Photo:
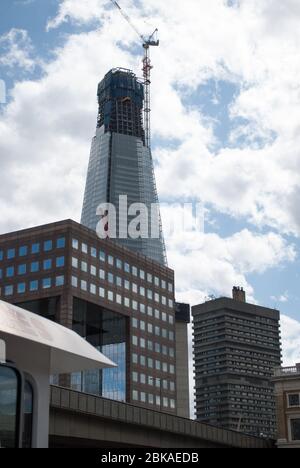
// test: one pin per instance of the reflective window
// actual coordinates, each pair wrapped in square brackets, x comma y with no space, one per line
[46,283]
[75,244]
[11,253]
[84,267]
[21,288]
[106,331]
[34,285]
[93,270]
[119,264]
[23,251]
[9,407]
[48,245]
[61,243]
[83,285]
[47,264]
[102,256]
[126,268]
[35,248]
[84,248]
[10,271]
[8,290]
[59,281]
[22,269]
[74,281]
[28,416]
[102,274]
[111,260]
[60,262]
[34,267]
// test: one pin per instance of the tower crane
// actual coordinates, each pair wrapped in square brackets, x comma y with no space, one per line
[147,42]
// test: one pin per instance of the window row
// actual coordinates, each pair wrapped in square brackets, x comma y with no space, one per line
[157,348]
[33,286]
[115,280]
[121,265]
[151,399]
[35,248]
[153,364]
[33,267]
[160,384]
[106,294]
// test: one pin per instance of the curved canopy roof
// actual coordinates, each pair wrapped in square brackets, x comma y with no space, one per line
[69,352]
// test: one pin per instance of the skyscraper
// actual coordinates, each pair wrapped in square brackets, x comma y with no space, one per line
[237,347]
[121,162]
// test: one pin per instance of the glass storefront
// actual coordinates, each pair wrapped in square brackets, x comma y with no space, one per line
[10,389]
[106,331]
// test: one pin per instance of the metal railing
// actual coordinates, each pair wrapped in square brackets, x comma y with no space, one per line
[287,371]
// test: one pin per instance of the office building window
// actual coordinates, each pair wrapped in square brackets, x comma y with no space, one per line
[11,253]
[34,285]
[84,248]
[61,243]
[118,299]
[150,399]
[60,262]
[84,267]
[34,267]
[110,278]
[111,260]
[126,268]
[119,281]
[10,271]
[23,251]
[75,244]
[134,271]
[135,358]
[127,302]
[110,296]
[22,269]
[119,264]
[135,395]
[8,290]
[35,248]
[93,289]
[74,281]
[47,264]
[21,288]
[47,245]
[142,308]
[83,285]
[93,252]
[149,278]
[102,292]
[135,377]
[59,281]
[46,283]
[93,270]
[102,256]
[102,274]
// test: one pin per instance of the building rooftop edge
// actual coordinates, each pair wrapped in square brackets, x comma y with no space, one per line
[227,302]
[69,223]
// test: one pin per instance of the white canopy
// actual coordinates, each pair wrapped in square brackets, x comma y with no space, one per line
[69,352]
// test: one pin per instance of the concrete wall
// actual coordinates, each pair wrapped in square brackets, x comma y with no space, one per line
[182,370]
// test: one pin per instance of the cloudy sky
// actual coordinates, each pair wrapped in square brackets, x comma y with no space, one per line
[226,130]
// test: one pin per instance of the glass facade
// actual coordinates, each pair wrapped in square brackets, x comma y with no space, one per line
[106,331]
[120,163]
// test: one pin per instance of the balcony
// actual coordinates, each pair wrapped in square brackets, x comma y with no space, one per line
[287,371]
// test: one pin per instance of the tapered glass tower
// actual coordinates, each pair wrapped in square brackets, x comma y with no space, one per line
[121,164]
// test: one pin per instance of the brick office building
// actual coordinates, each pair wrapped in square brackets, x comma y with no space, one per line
[120,301]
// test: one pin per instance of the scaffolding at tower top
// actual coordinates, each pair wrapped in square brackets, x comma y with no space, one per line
[147,42]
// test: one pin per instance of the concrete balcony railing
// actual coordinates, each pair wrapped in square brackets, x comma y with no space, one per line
[287,371]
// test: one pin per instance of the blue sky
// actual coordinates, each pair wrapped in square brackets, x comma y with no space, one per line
[236,117]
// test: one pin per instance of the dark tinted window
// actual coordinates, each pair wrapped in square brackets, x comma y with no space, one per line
[9,407]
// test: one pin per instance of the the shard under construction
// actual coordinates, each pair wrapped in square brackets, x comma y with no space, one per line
[121,161]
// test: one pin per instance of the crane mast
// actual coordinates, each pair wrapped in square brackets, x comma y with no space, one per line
[151,41]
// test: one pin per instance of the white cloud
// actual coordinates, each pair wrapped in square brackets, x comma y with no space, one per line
[17,50]
[291,339]
[45,131]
